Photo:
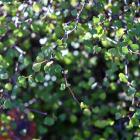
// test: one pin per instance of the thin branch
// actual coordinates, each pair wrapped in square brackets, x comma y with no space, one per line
[111,40]
[19,50]
[30,102]
[68,86]
[138,53]
[37,111]
[66,34]
[126,68]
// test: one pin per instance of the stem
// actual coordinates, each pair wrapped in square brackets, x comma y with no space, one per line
[138,53]
[70,90]
[66,34]
[37,111]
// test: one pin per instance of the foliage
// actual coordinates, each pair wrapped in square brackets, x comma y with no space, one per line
[69,70]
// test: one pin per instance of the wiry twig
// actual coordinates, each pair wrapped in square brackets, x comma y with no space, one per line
[37,111]
[116,42]
[111,40]
[126,68]
[32,101]
[19,50]
[125,2]
[138,53]
[66,34]
[27,109]
[68,86]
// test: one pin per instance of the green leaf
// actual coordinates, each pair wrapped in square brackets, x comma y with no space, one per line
[74,12]
[83,105]
[87,36]
[134,47]
[96,20]
[59,42]
[103,123]
[40,57]
[8,86]
[42,129]
[36,67]
[49,121]
[47,66]
[137,114]
[36,7]
[100,123]
[63,86]
[125,50]
[39,77]
[4,76]
[131,90]
[30,116]
[18,33]
[108,6]
[120,32]
[2,31]
[31,82]
[97,49]
[73,118]
[123,78]
[7,104]
[57,69]
[87,112]
[22,81]
[114,51]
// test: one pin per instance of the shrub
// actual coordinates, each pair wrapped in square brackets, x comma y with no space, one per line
[69,69]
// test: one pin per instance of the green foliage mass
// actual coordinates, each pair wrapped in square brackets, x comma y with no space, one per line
[69,70]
